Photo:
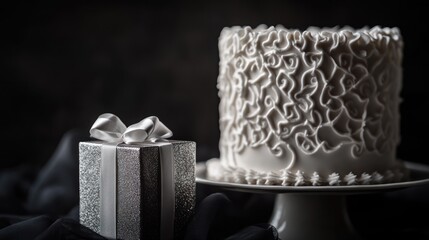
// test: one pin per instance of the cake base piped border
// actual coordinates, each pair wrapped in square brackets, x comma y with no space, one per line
[217,172]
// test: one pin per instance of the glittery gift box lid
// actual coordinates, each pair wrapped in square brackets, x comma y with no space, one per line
[138,188]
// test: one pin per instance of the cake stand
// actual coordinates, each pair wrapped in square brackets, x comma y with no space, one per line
[315,212]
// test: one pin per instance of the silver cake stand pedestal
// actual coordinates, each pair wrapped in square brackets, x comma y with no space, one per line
[315,212]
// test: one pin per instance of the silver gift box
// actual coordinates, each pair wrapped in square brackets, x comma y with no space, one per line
[138,188]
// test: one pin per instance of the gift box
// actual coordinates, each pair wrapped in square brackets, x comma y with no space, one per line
[133,188]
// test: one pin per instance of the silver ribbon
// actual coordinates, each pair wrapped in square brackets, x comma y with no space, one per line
[109,128]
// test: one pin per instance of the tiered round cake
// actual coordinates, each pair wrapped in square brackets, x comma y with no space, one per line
[313,107]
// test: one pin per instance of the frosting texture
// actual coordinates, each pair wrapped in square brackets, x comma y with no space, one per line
[287,178]
[323,100]
[303,91]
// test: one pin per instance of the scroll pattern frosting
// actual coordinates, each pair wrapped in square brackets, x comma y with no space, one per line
[308,91]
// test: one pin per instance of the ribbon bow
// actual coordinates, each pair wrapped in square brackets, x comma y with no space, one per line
[108,127]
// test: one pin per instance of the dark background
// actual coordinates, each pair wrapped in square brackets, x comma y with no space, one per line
[64,64]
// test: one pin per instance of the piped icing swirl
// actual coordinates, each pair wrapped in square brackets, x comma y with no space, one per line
[297,100]
[277,84]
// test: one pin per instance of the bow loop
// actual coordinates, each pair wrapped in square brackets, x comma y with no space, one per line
[158,129]
[110,128]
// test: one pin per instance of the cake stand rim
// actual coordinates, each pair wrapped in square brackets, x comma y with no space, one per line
[413,167]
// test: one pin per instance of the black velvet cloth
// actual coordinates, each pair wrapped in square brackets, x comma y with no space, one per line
[44,204]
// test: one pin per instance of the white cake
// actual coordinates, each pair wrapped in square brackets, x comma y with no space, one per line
[313,107]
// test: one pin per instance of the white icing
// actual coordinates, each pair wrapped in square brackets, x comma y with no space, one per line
[272,178]
[324,101]
[376,177]
[365,178]
[250,176]
[315,179]
[260,180]
[299,178]
[287,178]
[239,176]
[350,179]
[334,179]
